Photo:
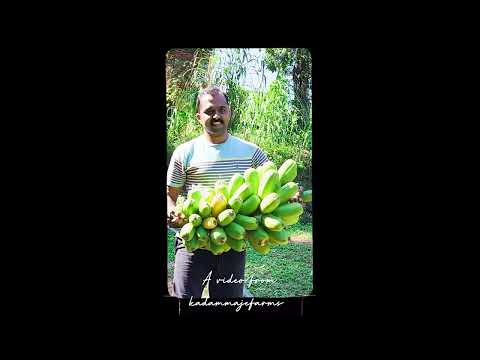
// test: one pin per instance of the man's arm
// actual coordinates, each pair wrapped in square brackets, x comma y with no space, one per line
[174,219]
[172,196]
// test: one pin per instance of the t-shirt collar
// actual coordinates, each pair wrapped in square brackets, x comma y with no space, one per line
[216,145]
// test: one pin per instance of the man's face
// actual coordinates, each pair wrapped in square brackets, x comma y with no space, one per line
[214,113]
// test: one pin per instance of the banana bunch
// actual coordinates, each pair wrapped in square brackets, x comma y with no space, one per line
[254,208]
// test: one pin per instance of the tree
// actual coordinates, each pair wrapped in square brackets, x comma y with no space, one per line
[181,62]
[186,70]
[297,63]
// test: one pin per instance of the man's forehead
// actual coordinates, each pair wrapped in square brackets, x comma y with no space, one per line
[214,99]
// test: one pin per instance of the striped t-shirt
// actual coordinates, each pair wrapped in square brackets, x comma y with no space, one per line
[201,163]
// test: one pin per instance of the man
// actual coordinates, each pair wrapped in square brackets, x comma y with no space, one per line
[214,155]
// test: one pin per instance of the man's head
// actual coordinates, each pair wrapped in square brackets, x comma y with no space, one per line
[213,111]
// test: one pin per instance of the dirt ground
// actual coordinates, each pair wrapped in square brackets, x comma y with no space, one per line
[301,239]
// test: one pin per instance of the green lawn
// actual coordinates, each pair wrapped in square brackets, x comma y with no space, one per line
[289,267]
[171,246]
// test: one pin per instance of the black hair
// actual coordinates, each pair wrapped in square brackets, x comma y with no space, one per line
[210,90]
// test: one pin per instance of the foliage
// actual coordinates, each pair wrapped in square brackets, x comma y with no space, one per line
[280,60]
[295,63]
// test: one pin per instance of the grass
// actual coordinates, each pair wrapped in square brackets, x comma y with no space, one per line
[286,271]
[289,267]
[171,247]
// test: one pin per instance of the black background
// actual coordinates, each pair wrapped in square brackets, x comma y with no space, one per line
[108,235]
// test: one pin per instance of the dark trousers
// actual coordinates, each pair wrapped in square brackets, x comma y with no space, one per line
[193,270]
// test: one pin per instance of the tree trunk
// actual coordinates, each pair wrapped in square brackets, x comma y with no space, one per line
[181,60]
[301,80]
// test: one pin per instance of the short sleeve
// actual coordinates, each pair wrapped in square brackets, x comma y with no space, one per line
[258,158]
[176,172]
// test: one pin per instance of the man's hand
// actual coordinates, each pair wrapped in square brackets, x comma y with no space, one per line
[176,220]
[298,196]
